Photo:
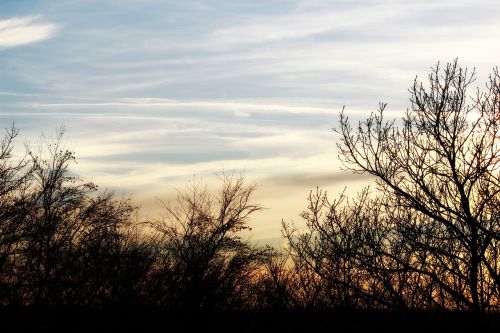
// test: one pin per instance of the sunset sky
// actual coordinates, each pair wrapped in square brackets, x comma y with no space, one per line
[154,92]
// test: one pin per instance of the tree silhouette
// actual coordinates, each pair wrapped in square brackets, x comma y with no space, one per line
[203,263]
[440,168]
[15,178]
[60,243]
[353,255]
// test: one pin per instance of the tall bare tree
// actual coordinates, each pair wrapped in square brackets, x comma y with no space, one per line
[440,166]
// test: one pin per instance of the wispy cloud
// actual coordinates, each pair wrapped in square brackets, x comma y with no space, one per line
[152,103]
[19,31]
[317,179]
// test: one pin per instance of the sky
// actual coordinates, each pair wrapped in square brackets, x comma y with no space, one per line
[155,94]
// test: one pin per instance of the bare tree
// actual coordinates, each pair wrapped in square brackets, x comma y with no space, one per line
[341,248]
[204,263]
[68,244]
[15,179]
[441,168]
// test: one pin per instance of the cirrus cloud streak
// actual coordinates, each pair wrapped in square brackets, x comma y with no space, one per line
[24,30]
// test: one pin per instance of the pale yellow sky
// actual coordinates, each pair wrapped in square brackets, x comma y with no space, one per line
[283,195]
